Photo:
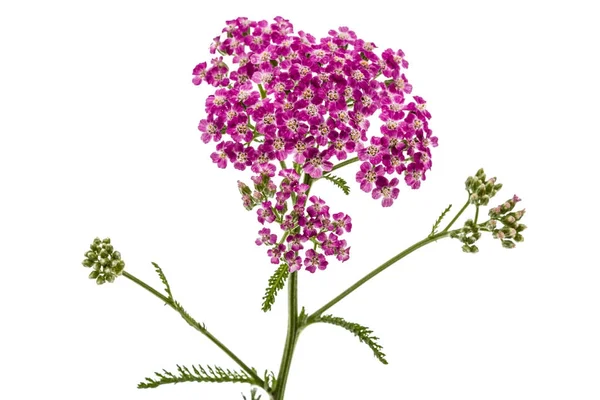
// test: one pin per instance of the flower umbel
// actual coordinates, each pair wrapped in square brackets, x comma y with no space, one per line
[287,97]
[104,260]
[509,232]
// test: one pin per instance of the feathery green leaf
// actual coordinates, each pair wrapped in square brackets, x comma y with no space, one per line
[198,374]
[253,395]
[188,318]
[439,220]
[362,332]
[163,278]
[276,283]
[339,182]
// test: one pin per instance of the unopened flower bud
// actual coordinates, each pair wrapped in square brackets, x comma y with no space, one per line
[481,190]
[243,188]
[469,182]
[106,263]
[495,212]
[87,263]
[473,199]
[508,244]
[470,249]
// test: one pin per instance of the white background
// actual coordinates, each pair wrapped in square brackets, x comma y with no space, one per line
[99,138]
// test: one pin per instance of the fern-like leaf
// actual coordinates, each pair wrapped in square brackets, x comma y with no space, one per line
[253,395]
[439,220]
[276,283]
[188,318]
[339,182]
[197,374]
[363,333]
[163,279]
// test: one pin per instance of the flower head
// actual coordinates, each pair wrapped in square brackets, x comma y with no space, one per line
[105,261]
[291,100]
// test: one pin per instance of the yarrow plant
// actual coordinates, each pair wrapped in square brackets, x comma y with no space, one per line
[292,109]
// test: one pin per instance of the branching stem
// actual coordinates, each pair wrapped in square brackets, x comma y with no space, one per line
[204,331]
[344,163]
[375,272]
[456,216]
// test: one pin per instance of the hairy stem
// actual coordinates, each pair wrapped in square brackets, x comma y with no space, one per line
[204,331]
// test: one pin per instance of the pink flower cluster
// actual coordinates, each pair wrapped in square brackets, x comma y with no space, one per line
[309,221]
[295,98]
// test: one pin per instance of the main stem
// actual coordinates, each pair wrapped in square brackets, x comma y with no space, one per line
[291,337]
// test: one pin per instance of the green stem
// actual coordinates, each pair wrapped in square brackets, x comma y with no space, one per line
[344,163]
[263,92]
[456,216]
[291,337]
[171,303]
[376,271]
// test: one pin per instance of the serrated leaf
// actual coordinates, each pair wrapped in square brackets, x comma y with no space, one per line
[188,318]
[199,374]
[163,279]
[253,395]
[439,220]
[276,283]
[339,182]
[363,333]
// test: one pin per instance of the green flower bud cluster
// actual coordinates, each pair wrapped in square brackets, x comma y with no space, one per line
[481,190]
[104,260]
[264,189]
[510,231]
[468,235]
[249,201]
